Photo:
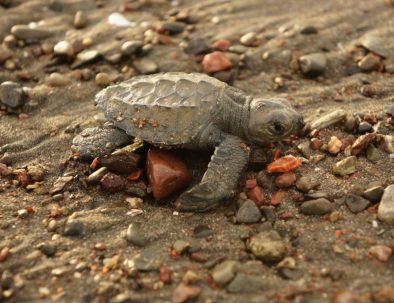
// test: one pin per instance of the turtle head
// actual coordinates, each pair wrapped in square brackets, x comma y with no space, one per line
[271,120]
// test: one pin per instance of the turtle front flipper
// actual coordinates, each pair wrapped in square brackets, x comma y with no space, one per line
[220,180]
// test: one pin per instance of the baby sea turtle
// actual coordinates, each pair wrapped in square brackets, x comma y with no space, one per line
[196,111]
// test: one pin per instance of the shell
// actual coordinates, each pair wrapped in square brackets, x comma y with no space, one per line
[167,109]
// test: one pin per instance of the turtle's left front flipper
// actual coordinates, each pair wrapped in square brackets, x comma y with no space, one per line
[220,180]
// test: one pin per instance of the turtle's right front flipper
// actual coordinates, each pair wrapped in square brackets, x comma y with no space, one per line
[220,180]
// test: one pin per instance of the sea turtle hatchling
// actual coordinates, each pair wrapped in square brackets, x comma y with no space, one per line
[196,111]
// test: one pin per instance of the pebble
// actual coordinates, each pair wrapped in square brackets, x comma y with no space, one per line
[376,43]
[60,184]
[334,145]
[384,294]
[362,143]
[5,54]
[96,176]
[319,207]
[374,194]
[135,235]
[356,203]
[216,62]
[80,19]
[313,64]
[73,228]
[369,63]
[249,39]
[380,252]
[346,296]
[309,30]
[181,246]
[166,173]
[120,163]
[11,94]
[197,47]
[103,79]
[224,272]
[243,283]
[345,167]
[47,249]
[146,66]
[4,254]
[277,198]
[221,45]
[165,274]
[85,57]
[386,206]
[364,127]
[131,47]
[113,183]
[306,184]
[329,119]
[173,28]
[119,20]
[57,80]
[248,213]
[284,164]
[256,194]
[372,153]
[268,246]
[350,123]
[26,32]
[190,277]
[305,149]
[389,109]
[5,170]
[63,48]
[388,141]
[286,180]
[316,143]
[184,293]
[202,231]
[97,141]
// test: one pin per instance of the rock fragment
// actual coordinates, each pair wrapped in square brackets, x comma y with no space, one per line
[135,235]
[11,94]
[316,207]
[26,32]
[268,246]
[80,19]
[386,206]
[356,203]
[216,62]
[120,162]
[374,194]
[329,119]
[313,64]
[224,272]
[113,183]
[248,213]
[345,167]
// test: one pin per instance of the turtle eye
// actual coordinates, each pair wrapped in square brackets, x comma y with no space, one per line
[277,128]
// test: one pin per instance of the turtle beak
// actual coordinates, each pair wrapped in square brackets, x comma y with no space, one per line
[300,123]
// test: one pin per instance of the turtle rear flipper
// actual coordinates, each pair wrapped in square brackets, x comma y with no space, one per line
[220,180]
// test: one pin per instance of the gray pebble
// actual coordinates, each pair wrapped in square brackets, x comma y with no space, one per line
[329,119]
[85,57]
[224,272]
[372,153]
[95,177]
[57,80]
[268,246]
[248,213]
[345,167]
[11,94]
[73,228]
[197,47]
[243,283]
[25,32]
[356,203]
[306,184]
[364,127]
[94,142]
[174,28]
[389,109]
[350,123]
[268,213]
[386,206]
[146,66]
[132,47]
[309,30]
[47,249]
[313,64]
[316,207]
[374,194]
[135,235]
[316,195]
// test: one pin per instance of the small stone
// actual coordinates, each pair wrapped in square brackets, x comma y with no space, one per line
[369,63]
[334,145]
[362,143]
[103,79]
[370,118]
[173,28]
[284,164]
[345,296]
[85,57]
[286,180]
[26,32]
[5,170]
[73,228]
[60,184]
[112,183]
[190,277]
[181,246]
[364,127]
[57,80]
[350,123]
[248,213]
[309,30]
[388,145]
[134,202]
[243,283]
[80,19]
[389,109]
[216,62]
[120,163]
[249,39]
[11,94]
[47,249]
[316,207]
[4,254]
[384,294]
[197,47]
[224,272]
[305,149]
[356,203]
[63,48]
[313,64]
[316,143]
[380,252]
[96,176]
[202,231]
[277,198]
[5,54]
[386,206]
[268,246]
[329,119]
[256,194]
[165,274]
[372,153]
[221,45]
[306,184]
[146,66]
[183,293]
[374,194]
[166,173]
[369,90]
[135,235]
[132,47]
[345,167]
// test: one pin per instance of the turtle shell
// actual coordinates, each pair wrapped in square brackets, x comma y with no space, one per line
[167,108]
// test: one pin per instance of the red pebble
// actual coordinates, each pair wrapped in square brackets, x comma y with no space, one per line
[286,180]
[316,143]
[165,274]
[250,183]
[221,44]
[256,194]
[4,254]
[277,197]
[216,62]
[23,178]
[112,183]
[284,164]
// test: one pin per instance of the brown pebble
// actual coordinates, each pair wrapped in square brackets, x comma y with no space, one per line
[370,118]
[165,274]
[277,197]
[286,180]
[216,62]
[256,194]
[221,44]
[184,293]
[384,294]
[4,254]
[362,143]
[345,296]
[380,252]
[334,145]
[4,170]
[316,143]
[166,173]
[120,163]
[23,178]
[113,183]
